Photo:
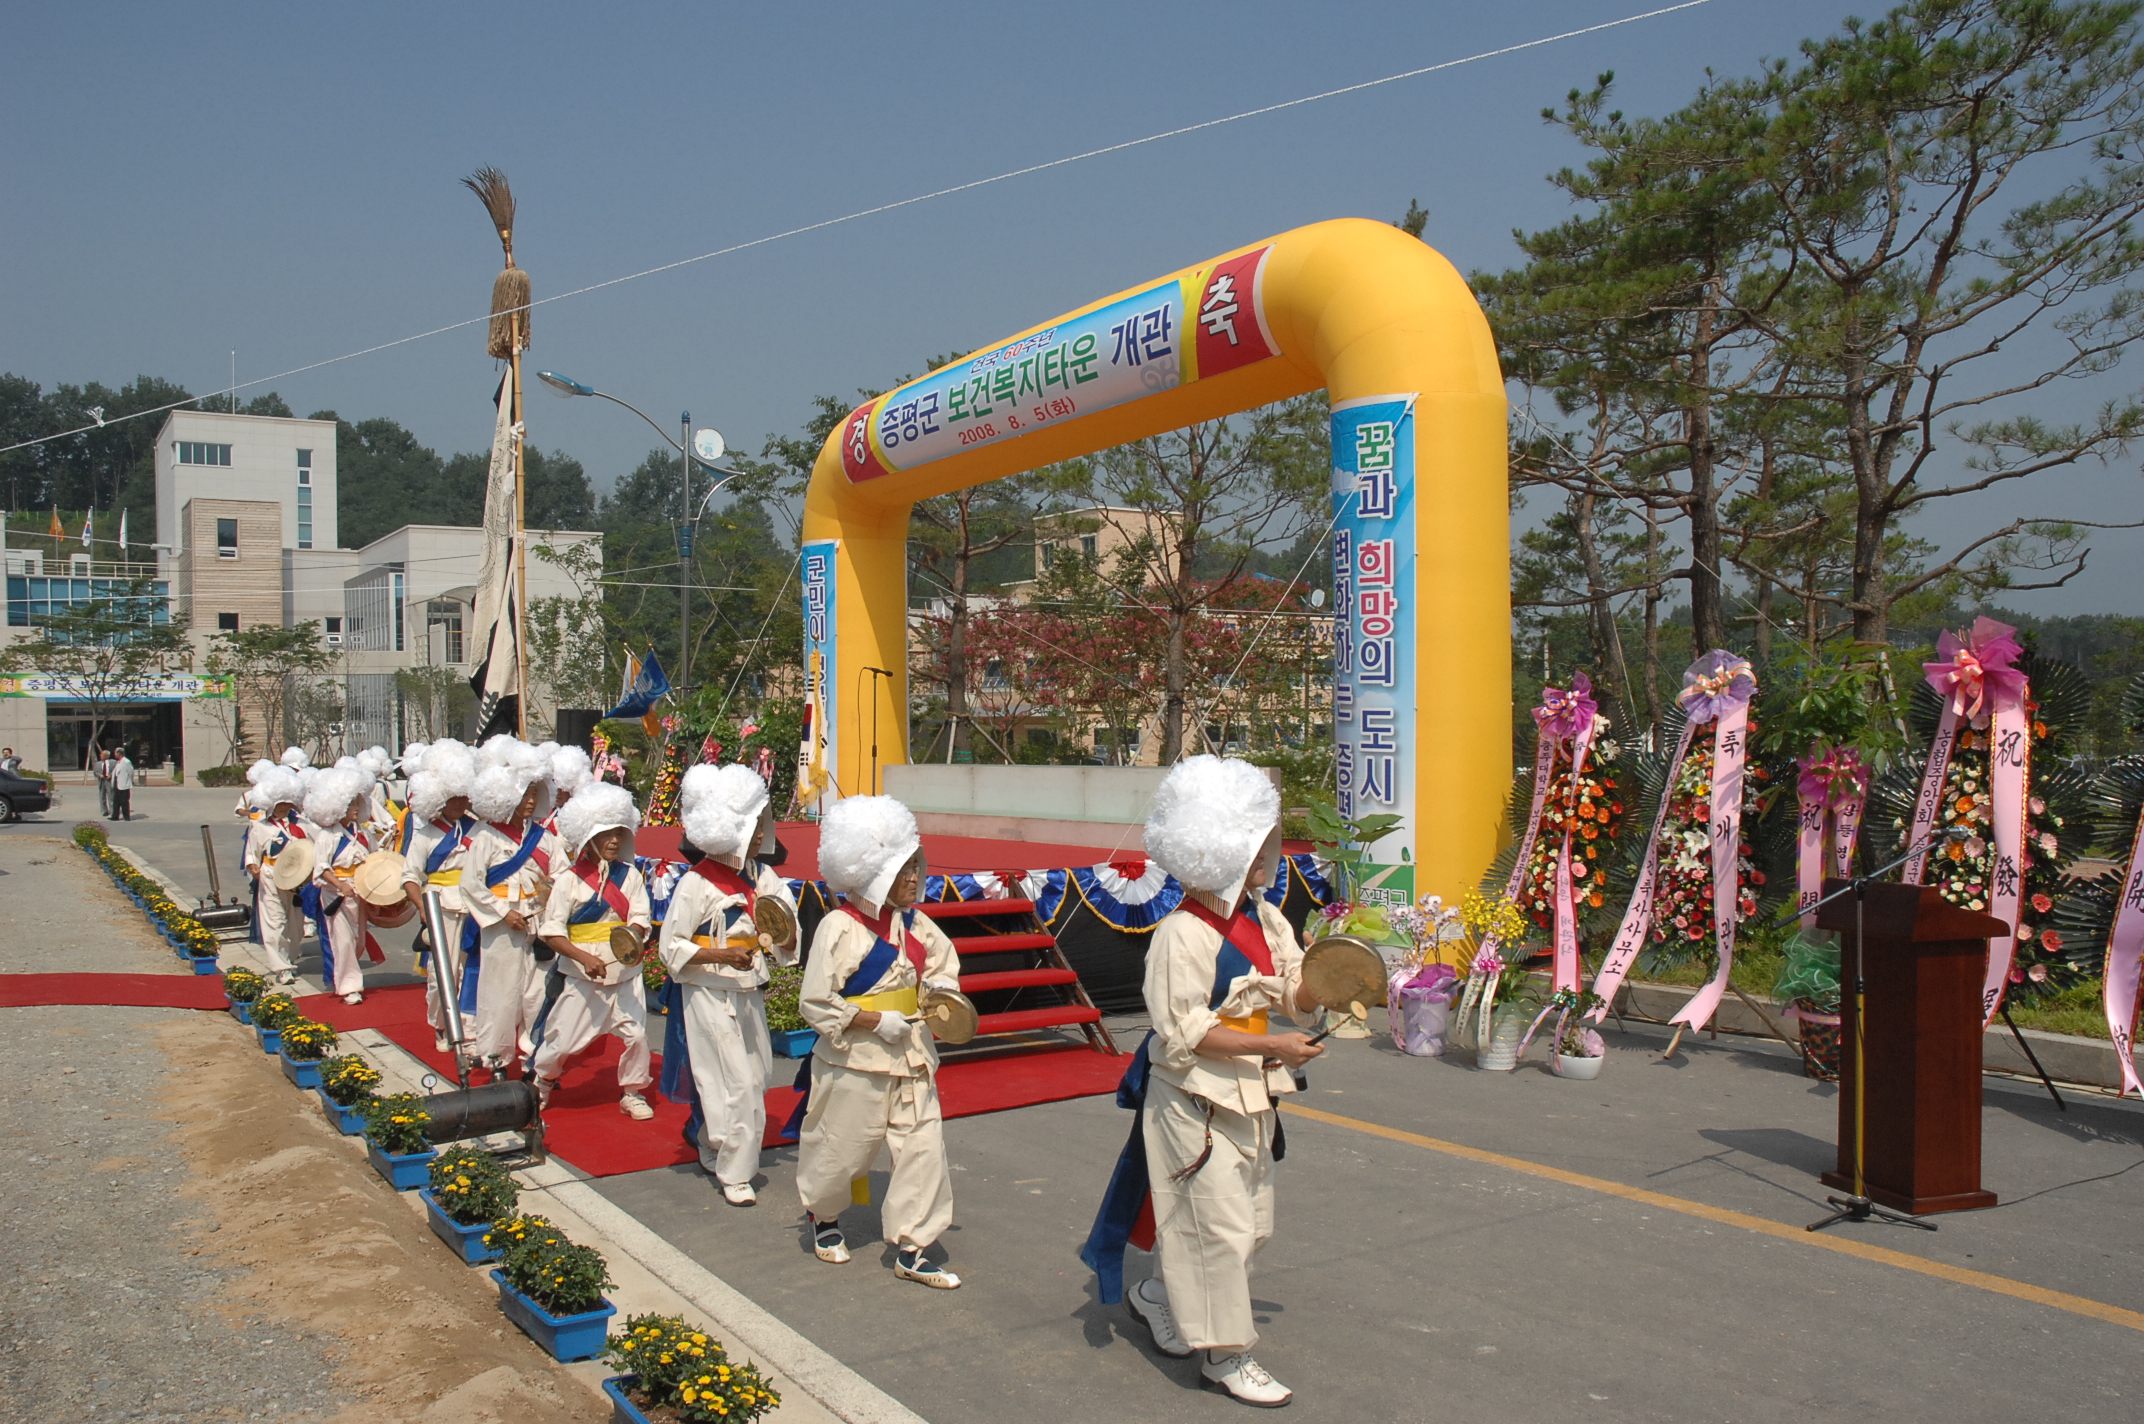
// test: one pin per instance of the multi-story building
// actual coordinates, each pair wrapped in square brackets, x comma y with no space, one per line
[246,537]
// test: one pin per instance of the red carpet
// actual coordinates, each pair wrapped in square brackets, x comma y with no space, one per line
[127,991]
[585,1128]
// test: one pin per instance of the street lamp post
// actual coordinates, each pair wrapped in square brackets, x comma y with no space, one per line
[696,447]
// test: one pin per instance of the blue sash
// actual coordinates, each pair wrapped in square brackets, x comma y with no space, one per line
[876,963]
[437,860]
[597,907]
[316,910]
[504,871]
[1130,1187]
[676,1082]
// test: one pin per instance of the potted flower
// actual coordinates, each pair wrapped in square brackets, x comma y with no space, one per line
[470,1190]
[240,988]
[397,1140]
[654,978]
[666,1363]
[347,1084]
[553,1290]
[1809,982]
[88,835]
[1493,1016]
[270,1013]
[304,1044]
[1578,1049]
[200,943]
[785,1023]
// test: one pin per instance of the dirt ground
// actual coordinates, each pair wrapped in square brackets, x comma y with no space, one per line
[183,1235]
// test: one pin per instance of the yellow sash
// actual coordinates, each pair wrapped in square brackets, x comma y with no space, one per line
[733,942]
[896,1001]
[444,877]
[598,933]
[1256,1023]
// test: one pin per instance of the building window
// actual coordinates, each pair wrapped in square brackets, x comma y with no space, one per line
[227,622]
[194,452]
[305,459]
[226,538]
[334,625]
[1086,545]
[305,512]
[445,615]
[399,615]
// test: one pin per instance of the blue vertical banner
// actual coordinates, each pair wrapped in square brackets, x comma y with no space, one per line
[816,750]
[1374,631]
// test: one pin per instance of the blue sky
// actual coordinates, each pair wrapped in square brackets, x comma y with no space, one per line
[283,179]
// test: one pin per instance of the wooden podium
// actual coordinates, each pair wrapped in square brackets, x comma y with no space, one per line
[1922,968]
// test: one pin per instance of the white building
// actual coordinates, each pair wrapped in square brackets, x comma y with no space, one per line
[246,535]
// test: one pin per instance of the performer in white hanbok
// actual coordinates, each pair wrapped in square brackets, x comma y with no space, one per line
[874,1072]
[712,948]
[506,874]
[275,797]
[1209,1133]
[596,991]
[438,834]
[335,803]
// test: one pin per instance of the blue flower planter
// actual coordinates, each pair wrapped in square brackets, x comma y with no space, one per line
[242,1012]
[574,1337]
[306,1074]
[350,1120]
[466,1242]
[404,1174]
[271,1038]
[795,1042]
[204,963]
[622,1409]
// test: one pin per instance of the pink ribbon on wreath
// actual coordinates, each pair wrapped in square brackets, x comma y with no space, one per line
[1833,791]
[1562,716]
[1981,687]
[2125,964]
[1568,717]
[1716,688]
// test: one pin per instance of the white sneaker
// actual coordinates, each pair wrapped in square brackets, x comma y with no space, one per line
[910,1266]
[1158,1317]
[738,1193]
[439,1043]
[635,1107]
[1246,1379]
[353,998]
[827,1244]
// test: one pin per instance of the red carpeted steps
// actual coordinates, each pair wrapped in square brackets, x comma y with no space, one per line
[987,932]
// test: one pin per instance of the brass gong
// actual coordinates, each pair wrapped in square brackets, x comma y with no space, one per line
[1340,970]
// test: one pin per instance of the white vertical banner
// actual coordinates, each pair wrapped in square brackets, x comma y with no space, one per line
[497,618]
[818,757]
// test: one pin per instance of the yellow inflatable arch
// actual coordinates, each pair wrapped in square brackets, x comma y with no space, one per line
[1422,660]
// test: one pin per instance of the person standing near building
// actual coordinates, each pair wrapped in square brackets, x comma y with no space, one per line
[123,787]
[874,1073]
[100,766]
[711,947]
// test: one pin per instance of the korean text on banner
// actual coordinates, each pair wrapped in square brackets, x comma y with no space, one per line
[1374,630]
[818,756]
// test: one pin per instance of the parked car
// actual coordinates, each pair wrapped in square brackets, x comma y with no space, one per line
[19,794]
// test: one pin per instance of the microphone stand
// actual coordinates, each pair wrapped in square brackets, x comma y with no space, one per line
[1858,1207]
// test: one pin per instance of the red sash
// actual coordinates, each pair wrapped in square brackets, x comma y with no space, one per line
[728,881]
[593,876]
[1244,932]
[883,926]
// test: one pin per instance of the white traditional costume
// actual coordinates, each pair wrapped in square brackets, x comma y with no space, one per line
[340,846]
[878,1086]
[724,1006]
[591,898]
[276,918]
[1210,1131]
[505,871]
[434,849]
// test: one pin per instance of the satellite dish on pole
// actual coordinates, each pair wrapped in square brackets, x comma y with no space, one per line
[707,445]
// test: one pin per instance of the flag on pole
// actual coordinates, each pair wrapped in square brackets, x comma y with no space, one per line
[89,527]
[56,531]
[122,533]
[497,620]
[645,685]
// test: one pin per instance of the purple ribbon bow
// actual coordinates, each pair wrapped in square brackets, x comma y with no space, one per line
[1968,671]
[1715,682]
[1563,715]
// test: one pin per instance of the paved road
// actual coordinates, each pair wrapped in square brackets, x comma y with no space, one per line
[166,829]
[1413,1283]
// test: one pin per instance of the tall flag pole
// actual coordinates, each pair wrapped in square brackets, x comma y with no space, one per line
[502,681]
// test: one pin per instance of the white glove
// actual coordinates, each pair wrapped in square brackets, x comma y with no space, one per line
[890,1026]
[942,986]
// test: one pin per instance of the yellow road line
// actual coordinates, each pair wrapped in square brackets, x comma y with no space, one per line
[1845,1246]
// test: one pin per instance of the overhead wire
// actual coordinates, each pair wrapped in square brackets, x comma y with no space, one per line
[891,207]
